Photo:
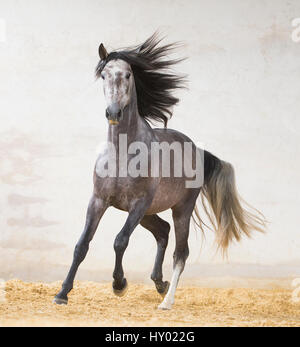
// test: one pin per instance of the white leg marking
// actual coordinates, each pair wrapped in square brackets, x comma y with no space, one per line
[169,298]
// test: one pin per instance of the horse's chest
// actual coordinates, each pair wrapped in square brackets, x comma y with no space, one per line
[121,191]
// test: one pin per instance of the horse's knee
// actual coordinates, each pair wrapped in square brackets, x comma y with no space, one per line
[121,242]
[163,237]
[163,242]
[167,227]
[80,250]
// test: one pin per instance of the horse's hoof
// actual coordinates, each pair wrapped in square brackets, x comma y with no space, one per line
[164,289]
[60,301]
[121,292]
[164,306]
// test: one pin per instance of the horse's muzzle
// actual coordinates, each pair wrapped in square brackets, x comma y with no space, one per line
[114,114]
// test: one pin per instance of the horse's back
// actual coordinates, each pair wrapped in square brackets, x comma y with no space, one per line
[171,135]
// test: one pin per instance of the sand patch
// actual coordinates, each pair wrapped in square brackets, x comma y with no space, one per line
[94,304]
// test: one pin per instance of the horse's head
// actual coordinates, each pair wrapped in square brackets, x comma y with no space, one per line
[141,77]
[117,85]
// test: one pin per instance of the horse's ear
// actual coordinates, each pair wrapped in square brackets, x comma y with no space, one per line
[102,52]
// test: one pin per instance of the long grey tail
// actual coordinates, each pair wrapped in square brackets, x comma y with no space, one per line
[225,212]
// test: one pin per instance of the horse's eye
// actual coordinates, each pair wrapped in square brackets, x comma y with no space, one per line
[128,75]
[102,76]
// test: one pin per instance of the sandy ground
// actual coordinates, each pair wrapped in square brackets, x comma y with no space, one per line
[93,304]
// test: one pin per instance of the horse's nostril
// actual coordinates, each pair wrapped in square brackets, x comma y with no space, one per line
[113,113]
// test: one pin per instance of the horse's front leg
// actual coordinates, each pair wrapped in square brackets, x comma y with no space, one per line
[95,211]
[160,230]
[136,213]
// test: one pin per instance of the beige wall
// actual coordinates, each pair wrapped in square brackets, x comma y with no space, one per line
[242,104]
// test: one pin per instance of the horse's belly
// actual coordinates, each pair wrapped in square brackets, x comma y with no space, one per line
[168,194]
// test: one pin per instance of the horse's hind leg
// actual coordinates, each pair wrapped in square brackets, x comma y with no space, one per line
[95,211]
[160,230]
[181,218]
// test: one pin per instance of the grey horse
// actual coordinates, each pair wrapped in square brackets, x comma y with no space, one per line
[138,87]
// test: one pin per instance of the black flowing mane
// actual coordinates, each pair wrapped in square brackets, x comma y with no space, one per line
[154,80]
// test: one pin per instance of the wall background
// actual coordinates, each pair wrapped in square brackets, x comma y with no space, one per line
[243,105]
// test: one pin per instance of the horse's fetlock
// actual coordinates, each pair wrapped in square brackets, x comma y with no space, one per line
[156,278]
